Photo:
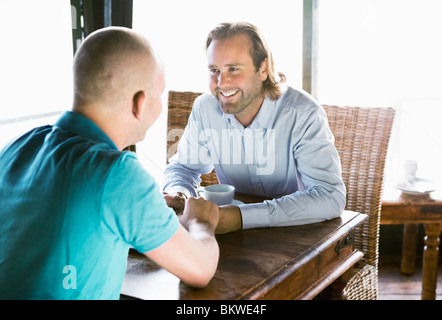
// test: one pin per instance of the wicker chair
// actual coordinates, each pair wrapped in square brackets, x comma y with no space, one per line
[179,108]
[362,136]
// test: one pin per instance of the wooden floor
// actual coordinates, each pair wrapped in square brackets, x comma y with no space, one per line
[393,285]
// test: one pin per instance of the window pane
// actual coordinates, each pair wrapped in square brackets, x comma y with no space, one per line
[387,53]
[36,57]
[379,51]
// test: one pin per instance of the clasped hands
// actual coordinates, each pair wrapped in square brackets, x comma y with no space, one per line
[229,215]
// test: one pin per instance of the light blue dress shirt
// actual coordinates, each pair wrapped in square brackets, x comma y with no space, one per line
[287,154]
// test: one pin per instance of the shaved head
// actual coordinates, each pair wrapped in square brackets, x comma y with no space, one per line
[118,84]
[111,66]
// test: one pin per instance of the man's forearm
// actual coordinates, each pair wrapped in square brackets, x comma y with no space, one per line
[229,219]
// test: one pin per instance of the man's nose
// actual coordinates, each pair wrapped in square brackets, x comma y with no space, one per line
[223,79]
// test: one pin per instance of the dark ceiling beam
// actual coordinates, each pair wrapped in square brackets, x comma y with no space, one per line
[98,14]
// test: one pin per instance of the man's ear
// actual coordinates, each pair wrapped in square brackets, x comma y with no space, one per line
[264,70]
[138,104]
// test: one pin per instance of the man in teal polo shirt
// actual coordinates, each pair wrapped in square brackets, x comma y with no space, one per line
[73,203]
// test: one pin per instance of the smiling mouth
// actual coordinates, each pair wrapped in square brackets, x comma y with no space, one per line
[228,94]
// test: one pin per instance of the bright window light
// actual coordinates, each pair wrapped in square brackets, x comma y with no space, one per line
[35,63]
[388,53]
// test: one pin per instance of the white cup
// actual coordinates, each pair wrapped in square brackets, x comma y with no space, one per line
[218,193]
[410,169]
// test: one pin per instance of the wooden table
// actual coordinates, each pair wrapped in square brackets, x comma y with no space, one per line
[413,210]
[268,263]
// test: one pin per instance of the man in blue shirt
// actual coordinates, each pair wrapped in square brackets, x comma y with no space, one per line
[73,203]
[262,138]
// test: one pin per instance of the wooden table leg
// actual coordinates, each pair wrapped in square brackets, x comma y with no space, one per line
[430,261]
[409,248]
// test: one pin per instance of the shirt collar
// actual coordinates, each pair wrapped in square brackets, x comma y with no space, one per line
[84,127]
[262,119]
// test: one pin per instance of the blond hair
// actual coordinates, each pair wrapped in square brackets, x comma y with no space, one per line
[259,51]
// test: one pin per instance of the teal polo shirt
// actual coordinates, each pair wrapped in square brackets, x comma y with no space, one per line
[72,205]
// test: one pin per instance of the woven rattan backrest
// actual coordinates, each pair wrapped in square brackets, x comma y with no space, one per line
[362,136]
[179,108]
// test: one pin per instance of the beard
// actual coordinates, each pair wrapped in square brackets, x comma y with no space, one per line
[241,100]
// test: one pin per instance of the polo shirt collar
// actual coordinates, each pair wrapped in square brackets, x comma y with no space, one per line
[84,127]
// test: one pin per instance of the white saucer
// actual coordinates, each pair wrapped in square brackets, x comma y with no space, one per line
[417,187]
[237,202]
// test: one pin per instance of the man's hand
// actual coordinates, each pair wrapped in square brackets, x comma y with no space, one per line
[202,212]
[229,216]
[177,202]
